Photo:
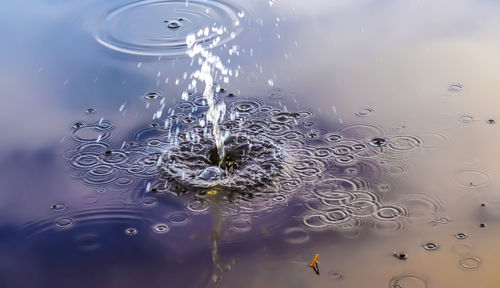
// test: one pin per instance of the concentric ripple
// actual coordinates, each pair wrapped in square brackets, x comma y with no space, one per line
[160,27]
[270,160]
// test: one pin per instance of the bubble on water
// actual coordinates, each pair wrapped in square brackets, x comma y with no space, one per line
[152,96]
[139,27]
[461,236]
[131,231]
[430,246]
[296,235]
[161,228]
[58,207]
[455,87]
[409,281]
[473,178]
[364,112]
[65,222]
[470,262]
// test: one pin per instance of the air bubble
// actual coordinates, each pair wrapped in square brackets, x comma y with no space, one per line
[461,236]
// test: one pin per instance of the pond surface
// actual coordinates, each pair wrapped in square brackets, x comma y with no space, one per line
[362,131]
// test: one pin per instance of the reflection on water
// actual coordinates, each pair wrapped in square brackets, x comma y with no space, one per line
[359,130]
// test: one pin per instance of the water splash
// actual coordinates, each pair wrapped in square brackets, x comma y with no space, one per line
[209,64]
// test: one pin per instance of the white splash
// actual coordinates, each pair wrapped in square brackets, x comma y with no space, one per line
[209,63]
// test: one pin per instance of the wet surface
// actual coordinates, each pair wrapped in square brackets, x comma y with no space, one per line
[362,131]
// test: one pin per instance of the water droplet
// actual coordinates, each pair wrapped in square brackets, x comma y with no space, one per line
[491,121]
[431,246]
[152,96]
[174,24]
[364,112]
[378,142]
[131,231]
[58,207]
[455,87]
[161,228]
[90,111]
[461,236]
[482,225]
[400,255]
[78,125]
[152,39]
